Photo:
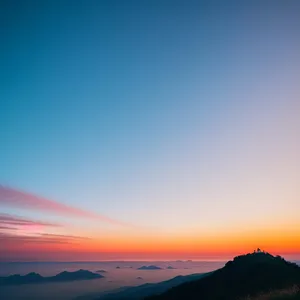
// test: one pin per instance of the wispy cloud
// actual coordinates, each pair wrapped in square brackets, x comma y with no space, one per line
[65,236]
[7,228]
[9,239]
[17,231]
[16,198]
[15,228]
[11,221]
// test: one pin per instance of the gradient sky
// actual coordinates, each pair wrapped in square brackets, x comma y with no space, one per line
[149,129]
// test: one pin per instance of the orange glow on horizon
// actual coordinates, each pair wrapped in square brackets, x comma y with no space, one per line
[162,247]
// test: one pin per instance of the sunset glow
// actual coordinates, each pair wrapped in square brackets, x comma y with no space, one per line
[149,131]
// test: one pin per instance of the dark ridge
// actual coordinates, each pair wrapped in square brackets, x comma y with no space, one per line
[246,275]
[147,289]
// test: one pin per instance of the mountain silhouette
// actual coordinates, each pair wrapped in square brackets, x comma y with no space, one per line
[144,290]
[246,275]
[37,278]
[149,268]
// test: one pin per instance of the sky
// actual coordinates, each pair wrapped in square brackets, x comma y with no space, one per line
[149,129]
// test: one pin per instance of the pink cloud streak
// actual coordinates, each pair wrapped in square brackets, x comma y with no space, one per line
[6,219]
[12,240]
[14,234]
[17,198]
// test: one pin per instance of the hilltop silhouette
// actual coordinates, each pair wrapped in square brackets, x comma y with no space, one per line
[244,276]
[37,278]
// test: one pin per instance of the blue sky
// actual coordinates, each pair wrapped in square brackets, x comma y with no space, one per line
[175,114]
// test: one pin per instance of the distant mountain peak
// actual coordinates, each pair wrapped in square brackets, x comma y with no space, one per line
[37,278]
[152,267]
[33,274]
